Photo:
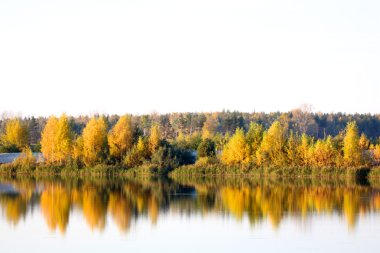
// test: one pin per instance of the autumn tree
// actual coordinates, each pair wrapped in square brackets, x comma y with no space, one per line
[77,151]
[364,142]
[210,126]
[271,150]
[137,154]
[16,133]
[48,140]
[236,151]
[323,153]
[303,149]
[376,153]
[64,139]
[120,138]
[292,149]
[95,146]
[351,147]
[254,137]
[154,138]
[56,140]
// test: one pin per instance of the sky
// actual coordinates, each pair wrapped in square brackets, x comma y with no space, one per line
[143,56]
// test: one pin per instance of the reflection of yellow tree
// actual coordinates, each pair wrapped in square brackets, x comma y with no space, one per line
[15,208]
[351,203]
[153,210]
[121,210]
[94,208]
[275,202]
[55,205]
[236,200]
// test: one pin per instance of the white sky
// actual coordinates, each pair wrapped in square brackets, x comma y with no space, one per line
[139,56]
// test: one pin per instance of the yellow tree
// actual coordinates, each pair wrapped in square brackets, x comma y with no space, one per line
[77,151]
[364,142]
[323,153]
[16,133]
[64,139]
[236,151]
[271,148]
[48,140]
[254,136]
[95,146]
[154,138]
[210,126]
[351,149]
[376,153]
[291,149]
[56,140]
[303,149]
[120,138]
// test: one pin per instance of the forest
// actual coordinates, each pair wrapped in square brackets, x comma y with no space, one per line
[223,140]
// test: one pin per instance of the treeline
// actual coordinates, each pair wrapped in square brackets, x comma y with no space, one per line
[300,120]
[125,145]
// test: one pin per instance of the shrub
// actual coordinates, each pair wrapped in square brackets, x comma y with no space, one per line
[206,148]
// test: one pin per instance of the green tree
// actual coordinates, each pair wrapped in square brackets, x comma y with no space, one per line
[206,148]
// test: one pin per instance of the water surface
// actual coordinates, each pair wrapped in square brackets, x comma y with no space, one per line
[98,215]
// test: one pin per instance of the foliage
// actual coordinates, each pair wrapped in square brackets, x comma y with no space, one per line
[120,138]
[206,148]
[272,146]
[95,145]
[351,148]
[56,140]
[16,135]
[254,136]
[236,150]
[154,138]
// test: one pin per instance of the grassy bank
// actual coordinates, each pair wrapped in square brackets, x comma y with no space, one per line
[188,171]
[219,170]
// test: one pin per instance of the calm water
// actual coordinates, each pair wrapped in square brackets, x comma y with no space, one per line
[189,216]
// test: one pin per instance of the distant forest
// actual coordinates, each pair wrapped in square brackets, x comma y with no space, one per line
[301,120]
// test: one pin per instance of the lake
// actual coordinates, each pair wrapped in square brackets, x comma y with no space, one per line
[189,215]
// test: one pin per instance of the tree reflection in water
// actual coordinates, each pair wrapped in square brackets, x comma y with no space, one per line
[129,200]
